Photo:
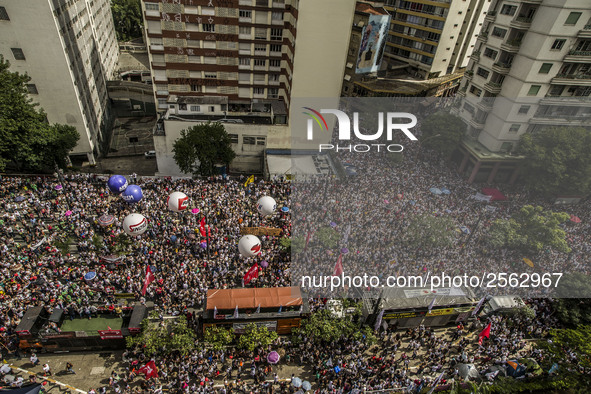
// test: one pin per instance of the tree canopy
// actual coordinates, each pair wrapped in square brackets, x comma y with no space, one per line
[328,237]
[442,132]
[127,17]
[164,338]
[218,337]
[201,147]
[557,160]
[324,327]
[255,336]
[27,141]
[531,230]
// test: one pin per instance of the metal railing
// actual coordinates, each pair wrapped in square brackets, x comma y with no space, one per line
[580,53]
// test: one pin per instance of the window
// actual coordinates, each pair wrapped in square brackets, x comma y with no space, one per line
[558,43]
[211,75]
[273,93]
[276,34]
[244,61]
[260,34]
[498,32]
[514,128]
[483,73]
[261,141]
[260,48]
[260,62]
[152,7]
[249,140]
[258,90]
[233,138]
[545,69]
[508,9]
[524,109]
[18,53]
[475,91]
[275,48]
[3,14]
[533,90]
[490,53]
[573,18]
[274,63]
[195,108]
[209,27]
[211,108]
[245,30]
[273,77]
[182,107]
[32,88]
[245,14]
[277,16]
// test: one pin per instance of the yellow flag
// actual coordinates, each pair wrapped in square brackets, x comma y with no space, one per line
[249,180]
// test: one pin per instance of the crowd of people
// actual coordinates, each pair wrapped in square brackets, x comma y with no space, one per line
[50,237]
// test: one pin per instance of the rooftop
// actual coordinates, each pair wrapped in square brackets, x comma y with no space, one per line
[370,9]
[483,154]
[407,85]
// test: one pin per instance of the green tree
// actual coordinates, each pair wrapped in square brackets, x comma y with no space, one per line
[573,311]
[297,244]
[324,327]
[557,160]
[531,230]
[201,147]
[328,237]
[164,337]
[429,231]
[574,341]
[127,17]
[442,132]
[218,337]
[255,336]
[27,141]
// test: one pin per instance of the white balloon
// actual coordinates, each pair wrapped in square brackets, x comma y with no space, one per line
[178,201]
[135,224]
[249,246]
[266,205]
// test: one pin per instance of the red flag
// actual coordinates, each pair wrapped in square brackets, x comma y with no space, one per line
[252,273]
[308,238]
[209,231]
[149,370]
[484,333]
[338,267]
[149,279]
[202,227]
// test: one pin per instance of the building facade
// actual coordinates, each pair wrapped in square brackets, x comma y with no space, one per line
[433,38]
[531,69]
[241,62]
[69,49]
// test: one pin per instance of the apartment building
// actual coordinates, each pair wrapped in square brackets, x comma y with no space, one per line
[531,69]
[238,62]
[69,49]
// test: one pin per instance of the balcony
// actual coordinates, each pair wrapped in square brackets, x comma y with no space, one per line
[482,36]
[485,104]
[521,22]
[586,32]
[490,16]
[578,57]
[511,46]
[475,56]
[477,123]
[157,47]
[469,74]
[501,68]
[572,79]
[493,87]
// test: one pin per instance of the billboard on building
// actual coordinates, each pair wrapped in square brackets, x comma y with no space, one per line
[373,40]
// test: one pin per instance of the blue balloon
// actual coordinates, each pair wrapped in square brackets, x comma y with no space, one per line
[117,184]
[132,194]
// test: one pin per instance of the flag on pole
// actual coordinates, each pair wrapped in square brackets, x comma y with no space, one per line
[431,304]
[149,279]
[338,267]
[235,316]
[435,383]
[378,321]
[280,308]
[249,180]
[149,370]
[215,311]
[484,333]
[258,309]
[202,227]
[252,273]
[308,238]
[478,306]
[208,231]
[346,236]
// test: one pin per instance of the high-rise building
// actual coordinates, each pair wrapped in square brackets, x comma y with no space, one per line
[531,69]
[433,38]
[238,62]
[69,49]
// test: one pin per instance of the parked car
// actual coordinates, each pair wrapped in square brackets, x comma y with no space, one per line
[150,154]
